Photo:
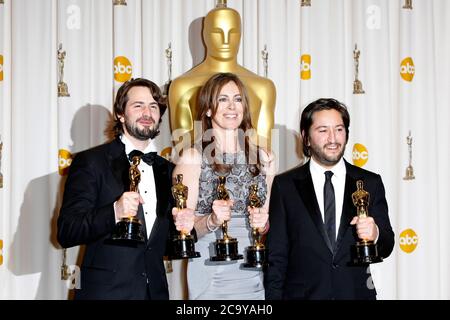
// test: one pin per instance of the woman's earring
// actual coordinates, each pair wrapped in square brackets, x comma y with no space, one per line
[208,113]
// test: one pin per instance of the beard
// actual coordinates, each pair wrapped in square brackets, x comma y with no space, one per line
[321,157]
[142,134]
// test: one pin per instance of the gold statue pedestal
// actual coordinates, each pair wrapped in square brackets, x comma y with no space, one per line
[365,252]
[128,230]
[63,91]
[357,87]
[409,173]
[183,247]
[256,256]
[226,250]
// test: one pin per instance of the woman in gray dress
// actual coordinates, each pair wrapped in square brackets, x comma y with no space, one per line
[225,150]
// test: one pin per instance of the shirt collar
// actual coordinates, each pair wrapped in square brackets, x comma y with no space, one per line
[339,170]
[130,147]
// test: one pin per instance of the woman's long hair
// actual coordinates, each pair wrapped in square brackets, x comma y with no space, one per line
[208,99]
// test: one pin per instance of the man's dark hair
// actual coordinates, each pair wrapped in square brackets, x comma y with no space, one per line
[319,105]
[122,99]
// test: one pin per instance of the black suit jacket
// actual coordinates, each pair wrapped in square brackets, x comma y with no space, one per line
[302,264]
[97,178]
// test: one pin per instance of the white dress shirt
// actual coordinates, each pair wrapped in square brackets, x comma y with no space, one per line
[146,186]
[338,181]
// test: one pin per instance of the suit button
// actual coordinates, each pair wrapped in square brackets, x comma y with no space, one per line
[335,266]
[149,248]
[143,274]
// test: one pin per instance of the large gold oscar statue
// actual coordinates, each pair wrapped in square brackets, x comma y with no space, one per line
[222,35]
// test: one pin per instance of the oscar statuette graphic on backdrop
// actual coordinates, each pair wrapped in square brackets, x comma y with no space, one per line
[265,58]
[409,169]
[65,270]
[305,3]
[357,84]
[168,53]
[120,2]
[408,5]
[63,90]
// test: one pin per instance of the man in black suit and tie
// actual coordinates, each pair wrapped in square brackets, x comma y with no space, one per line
[307,258]
[97,196]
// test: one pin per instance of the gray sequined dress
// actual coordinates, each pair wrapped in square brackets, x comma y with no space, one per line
[209,280]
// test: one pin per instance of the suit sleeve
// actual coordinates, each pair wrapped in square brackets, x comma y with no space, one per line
[379,212]
[277,245]
[80,220]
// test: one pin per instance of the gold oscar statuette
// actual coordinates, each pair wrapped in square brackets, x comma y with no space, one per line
[183,244]
[409,169]
[365,251]
[227,247]
[1,175]
[357,84]
[256,254]
[120,2]
[222,56]
[63,90]
[408,5]
[305,3]
[130,229]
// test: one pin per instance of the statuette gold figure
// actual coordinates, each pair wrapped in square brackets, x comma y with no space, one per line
[63,90]
[222,35]
[357,84]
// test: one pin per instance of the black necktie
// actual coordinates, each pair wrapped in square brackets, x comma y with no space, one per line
[329,208]
[148,158]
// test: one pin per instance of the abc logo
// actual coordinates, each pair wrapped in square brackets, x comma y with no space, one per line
[360,155]
[408,240]
[122,69]
[1,67]
[305,67]
[64,161]
[1,252]
[407,69]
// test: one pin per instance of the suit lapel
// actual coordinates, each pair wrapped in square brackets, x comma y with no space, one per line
[305,188]
[162,185]
[347,209]
[119,164]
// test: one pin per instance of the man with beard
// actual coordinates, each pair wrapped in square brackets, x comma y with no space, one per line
[313,222]
[97,196]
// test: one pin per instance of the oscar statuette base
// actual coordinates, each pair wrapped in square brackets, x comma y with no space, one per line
[226,250]
[256,257]
[183,248]
[128,230]
[365,252]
